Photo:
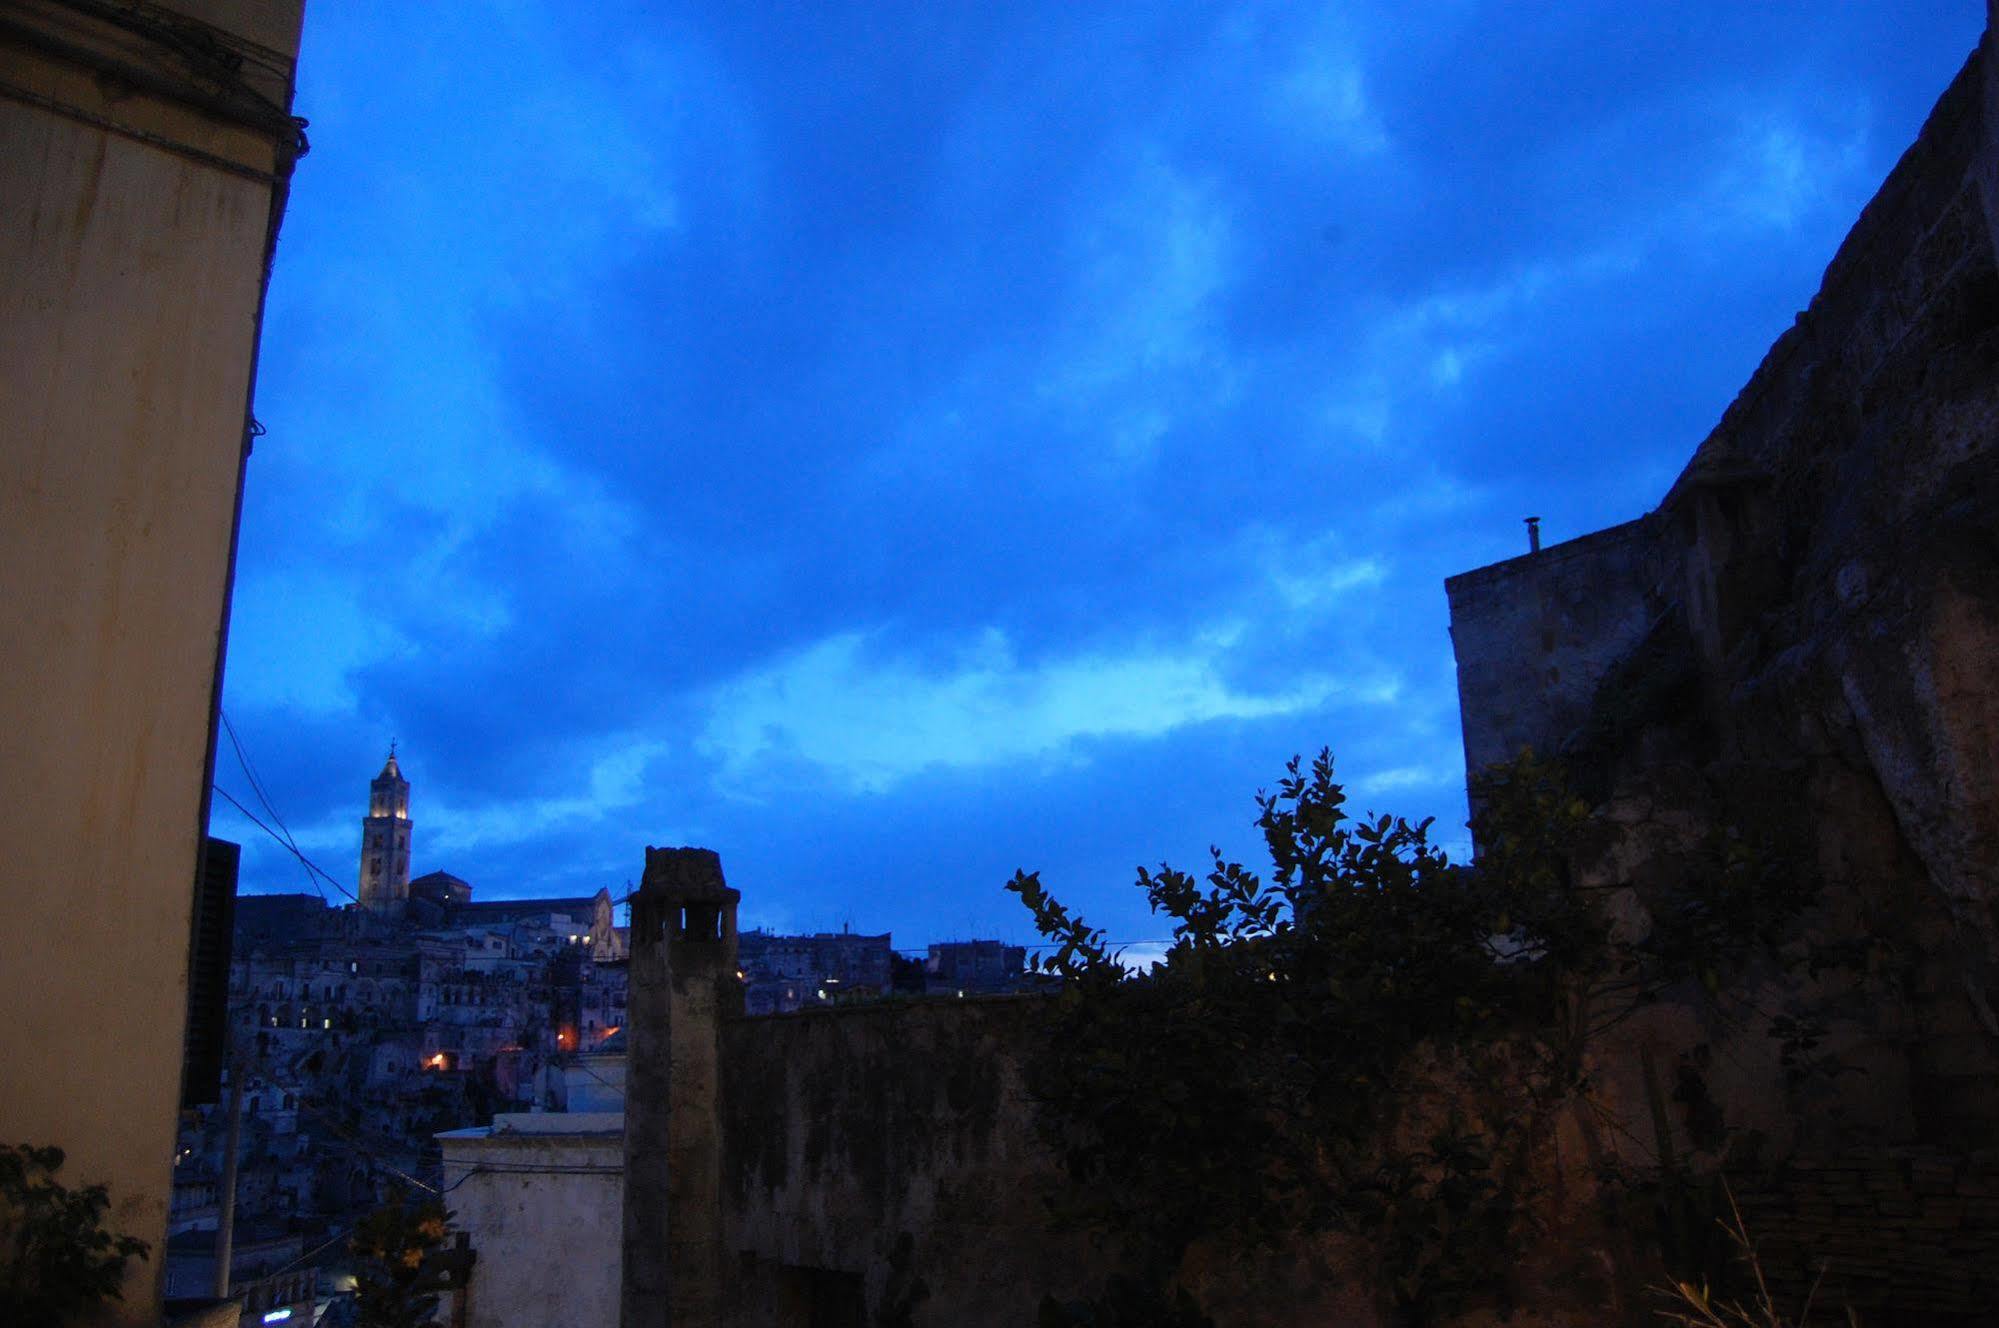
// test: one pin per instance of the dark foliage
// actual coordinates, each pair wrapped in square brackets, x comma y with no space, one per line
[389,1247]
[56,1258]
[1299,1061]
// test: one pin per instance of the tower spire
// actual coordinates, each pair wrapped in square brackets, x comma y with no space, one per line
[385,841]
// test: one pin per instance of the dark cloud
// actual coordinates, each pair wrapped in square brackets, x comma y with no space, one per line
[893,445]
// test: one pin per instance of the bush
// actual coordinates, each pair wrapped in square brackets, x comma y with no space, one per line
[56,1258]
[1369,1040]
[390,1246]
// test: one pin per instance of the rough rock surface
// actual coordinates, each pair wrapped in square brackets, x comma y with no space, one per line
[1802,640]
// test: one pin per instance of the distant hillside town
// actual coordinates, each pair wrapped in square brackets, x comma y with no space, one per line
[358,1033]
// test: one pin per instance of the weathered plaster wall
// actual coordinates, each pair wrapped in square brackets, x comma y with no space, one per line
[130,281]
[542,1196]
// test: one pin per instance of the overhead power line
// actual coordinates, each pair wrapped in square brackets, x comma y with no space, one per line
[287,845]
[284,835]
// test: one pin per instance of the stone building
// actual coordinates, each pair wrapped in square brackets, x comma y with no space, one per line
[370,1029]
[145,154]
[784,973]
[962,968]
[433,893]
[264,1271]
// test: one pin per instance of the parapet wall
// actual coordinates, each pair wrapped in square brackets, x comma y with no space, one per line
[882,1165]
[1535,636]
[885,1156]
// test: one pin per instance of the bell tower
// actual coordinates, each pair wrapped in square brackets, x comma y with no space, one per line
[385,842]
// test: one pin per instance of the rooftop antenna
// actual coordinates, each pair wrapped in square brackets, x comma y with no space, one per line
[1533,534]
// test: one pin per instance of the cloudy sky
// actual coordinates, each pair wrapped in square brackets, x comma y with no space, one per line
[892,445]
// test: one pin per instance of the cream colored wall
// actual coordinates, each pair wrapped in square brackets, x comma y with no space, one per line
[129,292]
[542,1197]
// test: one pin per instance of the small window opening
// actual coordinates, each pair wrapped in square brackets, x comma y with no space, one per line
[701,922]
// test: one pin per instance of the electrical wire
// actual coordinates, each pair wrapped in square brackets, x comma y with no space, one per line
[524,1169]
[615,1088]
[335,1239]
[263,798]
[360,1145]
[256,785]
[291,848]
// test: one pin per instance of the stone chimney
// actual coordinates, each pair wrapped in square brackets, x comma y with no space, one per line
[682,980]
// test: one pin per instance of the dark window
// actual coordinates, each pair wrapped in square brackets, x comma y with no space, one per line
[701,922]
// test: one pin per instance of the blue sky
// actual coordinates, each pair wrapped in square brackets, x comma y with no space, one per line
[895,444]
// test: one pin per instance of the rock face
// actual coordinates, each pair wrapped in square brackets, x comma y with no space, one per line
[1802,641]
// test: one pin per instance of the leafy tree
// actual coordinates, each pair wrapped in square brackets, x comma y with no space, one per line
[1301,1059]
[390,1245]
[56,1258]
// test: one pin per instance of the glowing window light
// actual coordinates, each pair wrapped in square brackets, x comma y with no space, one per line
[278,1316]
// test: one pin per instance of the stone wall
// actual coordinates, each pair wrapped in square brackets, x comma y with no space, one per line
[881,1166]
[1799,644]
[884,1156]
[1798,648]
[1902,1235]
